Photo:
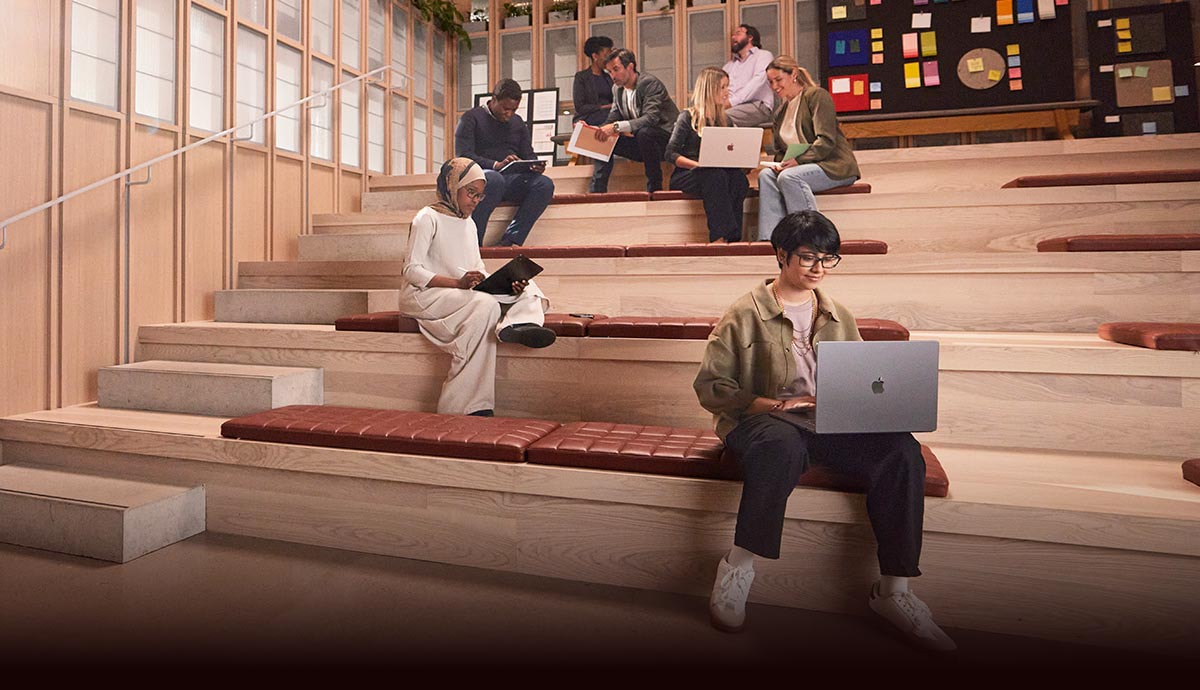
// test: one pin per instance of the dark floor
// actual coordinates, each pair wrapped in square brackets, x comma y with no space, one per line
[217,599]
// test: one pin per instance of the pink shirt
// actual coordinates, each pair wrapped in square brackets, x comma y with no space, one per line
[748,78]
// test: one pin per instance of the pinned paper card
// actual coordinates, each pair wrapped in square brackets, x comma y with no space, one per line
[876,46]
[1025,11]
[1046,9]
[994,75]
[1124,73]
[981,25]
[1014,73]
[1013,49]
[876,33]
[1123,23]
[876,104]
[1062,2]
[975,65]
[1141,71]
[838,12]
[930,68]
[855,46]
[1181,91]
[922,20]
[1014,61]
[876,87]
[858,88]
[920,2]
[1124,47]
[1004,15]
[928,43]
[849,93]
[1015,85]
[912,75]
[1149,128]
[876,2]
[1103,23]
[877,59]
[1125,35]
[910,45]
[839,47]
[1112,119]
[839,85]
[1106,68]
[1162,94]
[847,10]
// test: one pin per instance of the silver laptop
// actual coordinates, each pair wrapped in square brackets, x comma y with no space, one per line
[873,387]
[731,147]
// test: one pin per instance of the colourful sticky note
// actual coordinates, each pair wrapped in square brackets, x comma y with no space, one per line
[877,59]
[1125,47]
[876,2]
[1141,71]
[910,45]
[974,65]
[858,88]
[1150,127]
[876,46]
[922,20]
[1181,91]
[981,25]
[876,33]
[1024,11]
[1046,9]
[994,75]
[930,69]
[1106,68]
[1004,15]
[912,75]
[1014,61]
[838,11]
[1124,73]
[839,85]
[1014,73]
[876,87]
[876,104]
[839,47]
[1161,93]
[928,43]
[855,46]
[1112,119]
[1125,34]
[1015,85]
[1123,23]
[1062,2]
[1013,49]
[920,2]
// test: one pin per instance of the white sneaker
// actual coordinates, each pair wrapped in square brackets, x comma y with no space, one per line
[727,606]
[912,618]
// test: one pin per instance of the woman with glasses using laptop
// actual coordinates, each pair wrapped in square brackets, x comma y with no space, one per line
[723,190]
[759,364]
[807,117]
[441,268]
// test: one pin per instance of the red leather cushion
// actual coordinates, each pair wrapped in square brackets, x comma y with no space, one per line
[1157,336]
[381,321]
[633,448]
[563,252]
[881,329]
[1191,471]
[392,431]
[676,195]
[1129,177]
[567,326]
[605,198]
[670,327]
[849,247]
[1121,243]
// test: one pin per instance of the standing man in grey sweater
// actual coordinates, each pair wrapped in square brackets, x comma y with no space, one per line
[643,110]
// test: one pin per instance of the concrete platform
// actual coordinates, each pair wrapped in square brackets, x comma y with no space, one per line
[354,247]
[299,306]
[208,388]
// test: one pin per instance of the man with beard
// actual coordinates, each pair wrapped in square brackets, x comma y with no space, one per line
[749,94]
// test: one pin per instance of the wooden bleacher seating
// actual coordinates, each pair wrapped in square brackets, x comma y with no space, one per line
[1106,178]
[1153,335]
[1060,117]
[563,325]
[553,252]
[848,248]
[1122,243]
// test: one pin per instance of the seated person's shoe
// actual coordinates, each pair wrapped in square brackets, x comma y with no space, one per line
[727,605]
[912,618]
[482,413]
[527,334]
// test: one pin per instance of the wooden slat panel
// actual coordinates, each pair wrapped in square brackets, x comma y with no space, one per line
[28,35]
[320,189]
[350,192]
[203,229]
[287,208]
[250,205]
[153,271]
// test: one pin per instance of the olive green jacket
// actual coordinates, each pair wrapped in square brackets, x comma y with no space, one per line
[816,121]
[749,352]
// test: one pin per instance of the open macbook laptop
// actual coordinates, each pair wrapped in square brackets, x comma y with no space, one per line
[873,387]
[731,147]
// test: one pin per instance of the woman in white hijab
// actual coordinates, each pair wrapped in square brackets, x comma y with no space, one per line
[441,268]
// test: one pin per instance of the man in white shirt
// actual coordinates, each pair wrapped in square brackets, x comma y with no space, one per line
[749,93]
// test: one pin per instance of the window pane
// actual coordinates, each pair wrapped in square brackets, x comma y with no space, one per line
[251,83]
[399,76]
[206,76]
[377,38]
[561,60]
[516,58]
[765,18]
[439,140]
[351,32]
[320,131]
[808,14]
[707,42]
[613,29]
[351,124]
[288,70]
[95,48]
[656,54]
[322,26]
[289,18]
[154,82]
[252,10]
[376,127]
[439,71]
[399,136]
[420,68]
[472,71]
[420,127]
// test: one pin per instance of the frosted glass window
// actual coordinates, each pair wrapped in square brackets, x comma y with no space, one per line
[613,29]
[351,122]
[289,17]
[322,26]
[708,44]
[561,59]
[656,50]
[320,130]
[808,38]
[376,127]
[399,136]
[252,10]
[472,72]
[439,71]
[420,67]
[289,67]
[516,58]
[420,127]
[399,75]
[351,32]
[206,76]
[251,83]
[154,79]
[439,140]
[95,51]
[765,18]
[376,34]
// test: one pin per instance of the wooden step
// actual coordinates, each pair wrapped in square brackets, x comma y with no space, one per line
[207,388]
[1071,392]
[297,305]
[109,519]
[354,247]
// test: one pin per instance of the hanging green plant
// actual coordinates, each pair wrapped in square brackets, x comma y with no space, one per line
[445,16]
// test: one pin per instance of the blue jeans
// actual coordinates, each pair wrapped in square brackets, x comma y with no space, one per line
[789,191]
[532,191]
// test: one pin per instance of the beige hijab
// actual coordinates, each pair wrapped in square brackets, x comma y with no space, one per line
[456,174]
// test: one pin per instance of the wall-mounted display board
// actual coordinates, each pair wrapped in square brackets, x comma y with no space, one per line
[1142,74]
[902,56]
[539,110]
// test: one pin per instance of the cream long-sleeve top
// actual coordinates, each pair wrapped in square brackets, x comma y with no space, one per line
[440,245]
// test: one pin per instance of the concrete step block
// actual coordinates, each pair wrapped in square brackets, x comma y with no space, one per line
[98,517]
[207,388]
[299,306]
[354,247]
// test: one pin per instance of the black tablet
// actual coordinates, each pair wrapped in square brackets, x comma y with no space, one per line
[500,282]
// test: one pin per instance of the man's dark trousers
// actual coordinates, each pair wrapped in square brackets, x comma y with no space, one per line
[648,145]
[532,191]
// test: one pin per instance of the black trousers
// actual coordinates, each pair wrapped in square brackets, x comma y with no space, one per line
[773,454]
[723,191]
[648,145]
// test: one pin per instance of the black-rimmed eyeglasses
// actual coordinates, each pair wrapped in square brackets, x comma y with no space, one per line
[827,262]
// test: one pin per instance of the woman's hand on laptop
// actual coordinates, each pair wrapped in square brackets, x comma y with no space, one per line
[804,402]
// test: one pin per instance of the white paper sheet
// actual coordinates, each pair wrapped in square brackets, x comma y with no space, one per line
[541,137]
[840,85]
[981,25]
[922,20]
[545,106]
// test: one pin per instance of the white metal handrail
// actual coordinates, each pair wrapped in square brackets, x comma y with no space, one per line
[129,171]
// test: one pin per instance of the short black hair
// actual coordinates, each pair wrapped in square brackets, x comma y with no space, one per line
[755,36]
[595,44]
[625,55]
[507,89]
[805,229]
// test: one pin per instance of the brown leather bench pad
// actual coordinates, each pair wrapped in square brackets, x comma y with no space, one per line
[1156,336]
[1121,243]
[849,247]
[1191,471]
[1098,178]
[559,252]
[698,328]
[392,431]
[563,325]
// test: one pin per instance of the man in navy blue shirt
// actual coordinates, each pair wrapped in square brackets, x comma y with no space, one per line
[493,136]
